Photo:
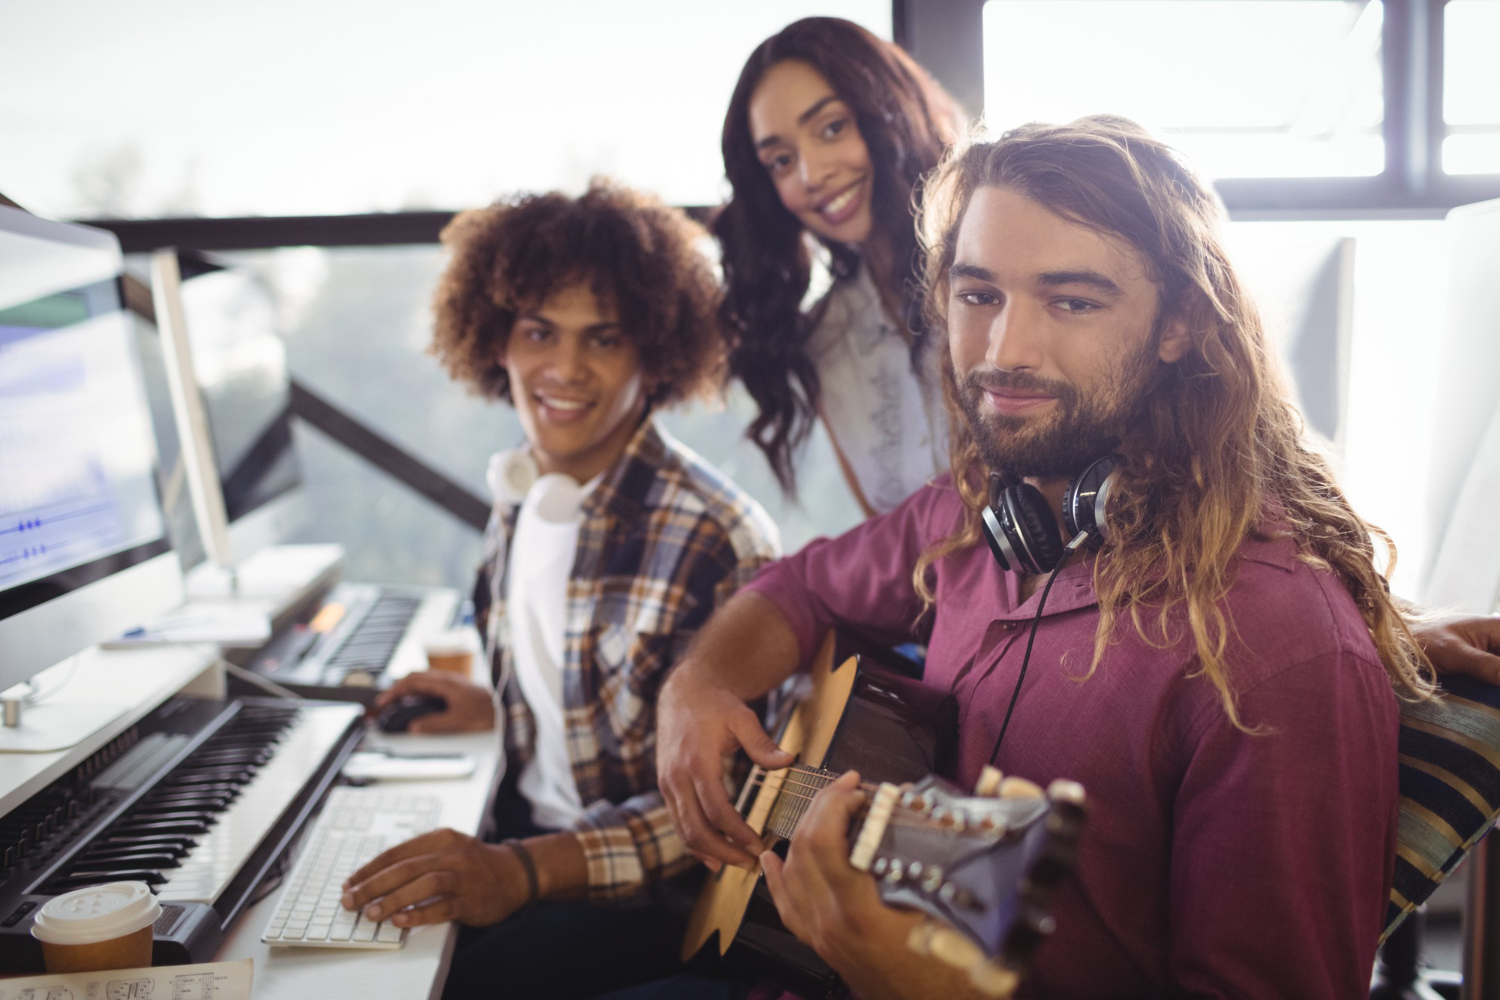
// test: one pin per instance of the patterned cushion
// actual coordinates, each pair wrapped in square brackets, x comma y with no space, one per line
[1450,787]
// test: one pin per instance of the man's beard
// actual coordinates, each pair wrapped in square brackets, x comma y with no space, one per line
[1061,443]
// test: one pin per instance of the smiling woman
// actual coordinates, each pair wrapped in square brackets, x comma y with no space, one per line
[826,136]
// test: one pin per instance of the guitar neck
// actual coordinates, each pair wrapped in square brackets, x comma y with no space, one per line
[798,785]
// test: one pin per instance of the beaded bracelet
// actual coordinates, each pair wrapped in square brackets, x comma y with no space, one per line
[528,864]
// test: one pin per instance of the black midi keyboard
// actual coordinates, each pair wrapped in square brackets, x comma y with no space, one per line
[200,800]
[357,641]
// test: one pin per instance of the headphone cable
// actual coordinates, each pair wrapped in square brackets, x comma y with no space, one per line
[1036,620]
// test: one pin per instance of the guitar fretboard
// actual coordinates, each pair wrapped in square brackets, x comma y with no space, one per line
[799,783]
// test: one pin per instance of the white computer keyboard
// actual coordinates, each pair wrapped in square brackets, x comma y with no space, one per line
[356,824]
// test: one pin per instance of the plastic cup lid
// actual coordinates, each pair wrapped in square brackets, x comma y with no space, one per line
[455,640]
[97,913]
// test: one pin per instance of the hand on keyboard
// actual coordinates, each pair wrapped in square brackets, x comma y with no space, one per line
[471,708]
[356,824]
[452,875]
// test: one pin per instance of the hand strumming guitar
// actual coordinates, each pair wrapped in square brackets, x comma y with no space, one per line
[744,651]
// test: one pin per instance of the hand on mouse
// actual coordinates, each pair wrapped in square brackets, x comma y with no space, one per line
[471,708]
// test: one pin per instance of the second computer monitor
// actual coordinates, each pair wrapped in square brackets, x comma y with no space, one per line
[231,396]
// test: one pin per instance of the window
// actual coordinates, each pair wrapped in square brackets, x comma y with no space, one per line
[1298,93]
[1471,87]
[357,324]
[164,108]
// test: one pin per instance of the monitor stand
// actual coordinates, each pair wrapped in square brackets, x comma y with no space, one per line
[56,725]
[280,575]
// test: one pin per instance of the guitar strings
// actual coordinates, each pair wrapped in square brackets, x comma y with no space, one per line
[799,801]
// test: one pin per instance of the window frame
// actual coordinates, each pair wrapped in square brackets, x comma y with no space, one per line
[945,36]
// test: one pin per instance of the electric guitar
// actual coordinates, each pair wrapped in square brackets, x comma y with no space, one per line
[982,867]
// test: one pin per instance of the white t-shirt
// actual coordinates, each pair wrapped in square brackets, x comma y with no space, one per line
[883,408]
[540,561]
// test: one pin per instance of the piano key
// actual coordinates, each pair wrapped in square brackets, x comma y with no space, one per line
[148,829]
[241,827]
[82,878]
[143,859]
[140,816]
[152,839]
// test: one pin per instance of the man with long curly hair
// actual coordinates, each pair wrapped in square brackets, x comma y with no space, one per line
[609,545]
[1222,675]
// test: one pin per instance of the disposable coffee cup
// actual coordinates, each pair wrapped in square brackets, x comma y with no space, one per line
[102,927]
[451,651]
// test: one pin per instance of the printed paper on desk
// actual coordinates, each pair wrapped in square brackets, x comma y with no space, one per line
[209,981]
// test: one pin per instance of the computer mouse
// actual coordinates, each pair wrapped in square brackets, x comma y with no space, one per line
[397,717]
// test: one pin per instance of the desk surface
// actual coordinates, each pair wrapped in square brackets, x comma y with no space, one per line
[410,973]
[137,680]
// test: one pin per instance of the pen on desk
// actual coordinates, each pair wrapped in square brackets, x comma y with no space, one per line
[166,626]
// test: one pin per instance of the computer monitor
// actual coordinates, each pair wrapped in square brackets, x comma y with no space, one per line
[84,547]
[231,397]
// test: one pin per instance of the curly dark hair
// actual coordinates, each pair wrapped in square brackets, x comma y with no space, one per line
[635,252]
[907,121]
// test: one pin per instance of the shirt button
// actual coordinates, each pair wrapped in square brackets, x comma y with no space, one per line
[1009,626]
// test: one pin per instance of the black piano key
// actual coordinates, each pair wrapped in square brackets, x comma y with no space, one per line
[163,813]
[235,758]
[111,855]
[152,840]
[70,882]
[211,777]
[210,803]
[196,826]
[209,788]
[125,862]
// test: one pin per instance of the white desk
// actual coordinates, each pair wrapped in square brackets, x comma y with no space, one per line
[410,973]
[137,680]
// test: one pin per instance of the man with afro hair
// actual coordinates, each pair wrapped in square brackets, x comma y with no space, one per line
[609,545]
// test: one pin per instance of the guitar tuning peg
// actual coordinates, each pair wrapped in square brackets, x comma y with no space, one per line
[1063,790]
[993,980]
[989,781]
[1019,788]
[952,948]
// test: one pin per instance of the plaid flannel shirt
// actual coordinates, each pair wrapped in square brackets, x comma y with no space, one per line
[665,539]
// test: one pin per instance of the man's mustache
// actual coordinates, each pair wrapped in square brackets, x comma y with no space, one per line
[996,380]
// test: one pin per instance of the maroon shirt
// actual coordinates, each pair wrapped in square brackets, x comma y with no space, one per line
[1214,863]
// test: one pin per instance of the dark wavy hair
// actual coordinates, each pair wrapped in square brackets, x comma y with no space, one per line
[906,120]
[638,254]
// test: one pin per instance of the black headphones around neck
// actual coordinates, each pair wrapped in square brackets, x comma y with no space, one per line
[1020,527]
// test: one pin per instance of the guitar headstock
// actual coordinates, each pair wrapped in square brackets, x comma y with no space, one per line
[984,866]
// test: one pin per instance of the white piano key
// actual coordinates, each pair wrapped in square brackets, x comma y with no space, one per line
[220,853]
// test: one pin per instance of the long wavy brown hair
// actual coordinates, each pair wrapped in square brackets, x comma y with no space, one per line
[1219,453]
[906,121]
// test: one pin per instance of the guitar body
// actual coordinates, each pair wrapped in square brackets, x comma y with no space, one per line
[858,714]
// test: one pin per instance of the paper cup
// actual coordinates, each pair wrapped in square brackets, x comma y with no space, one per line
[451,651]
[102,927]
